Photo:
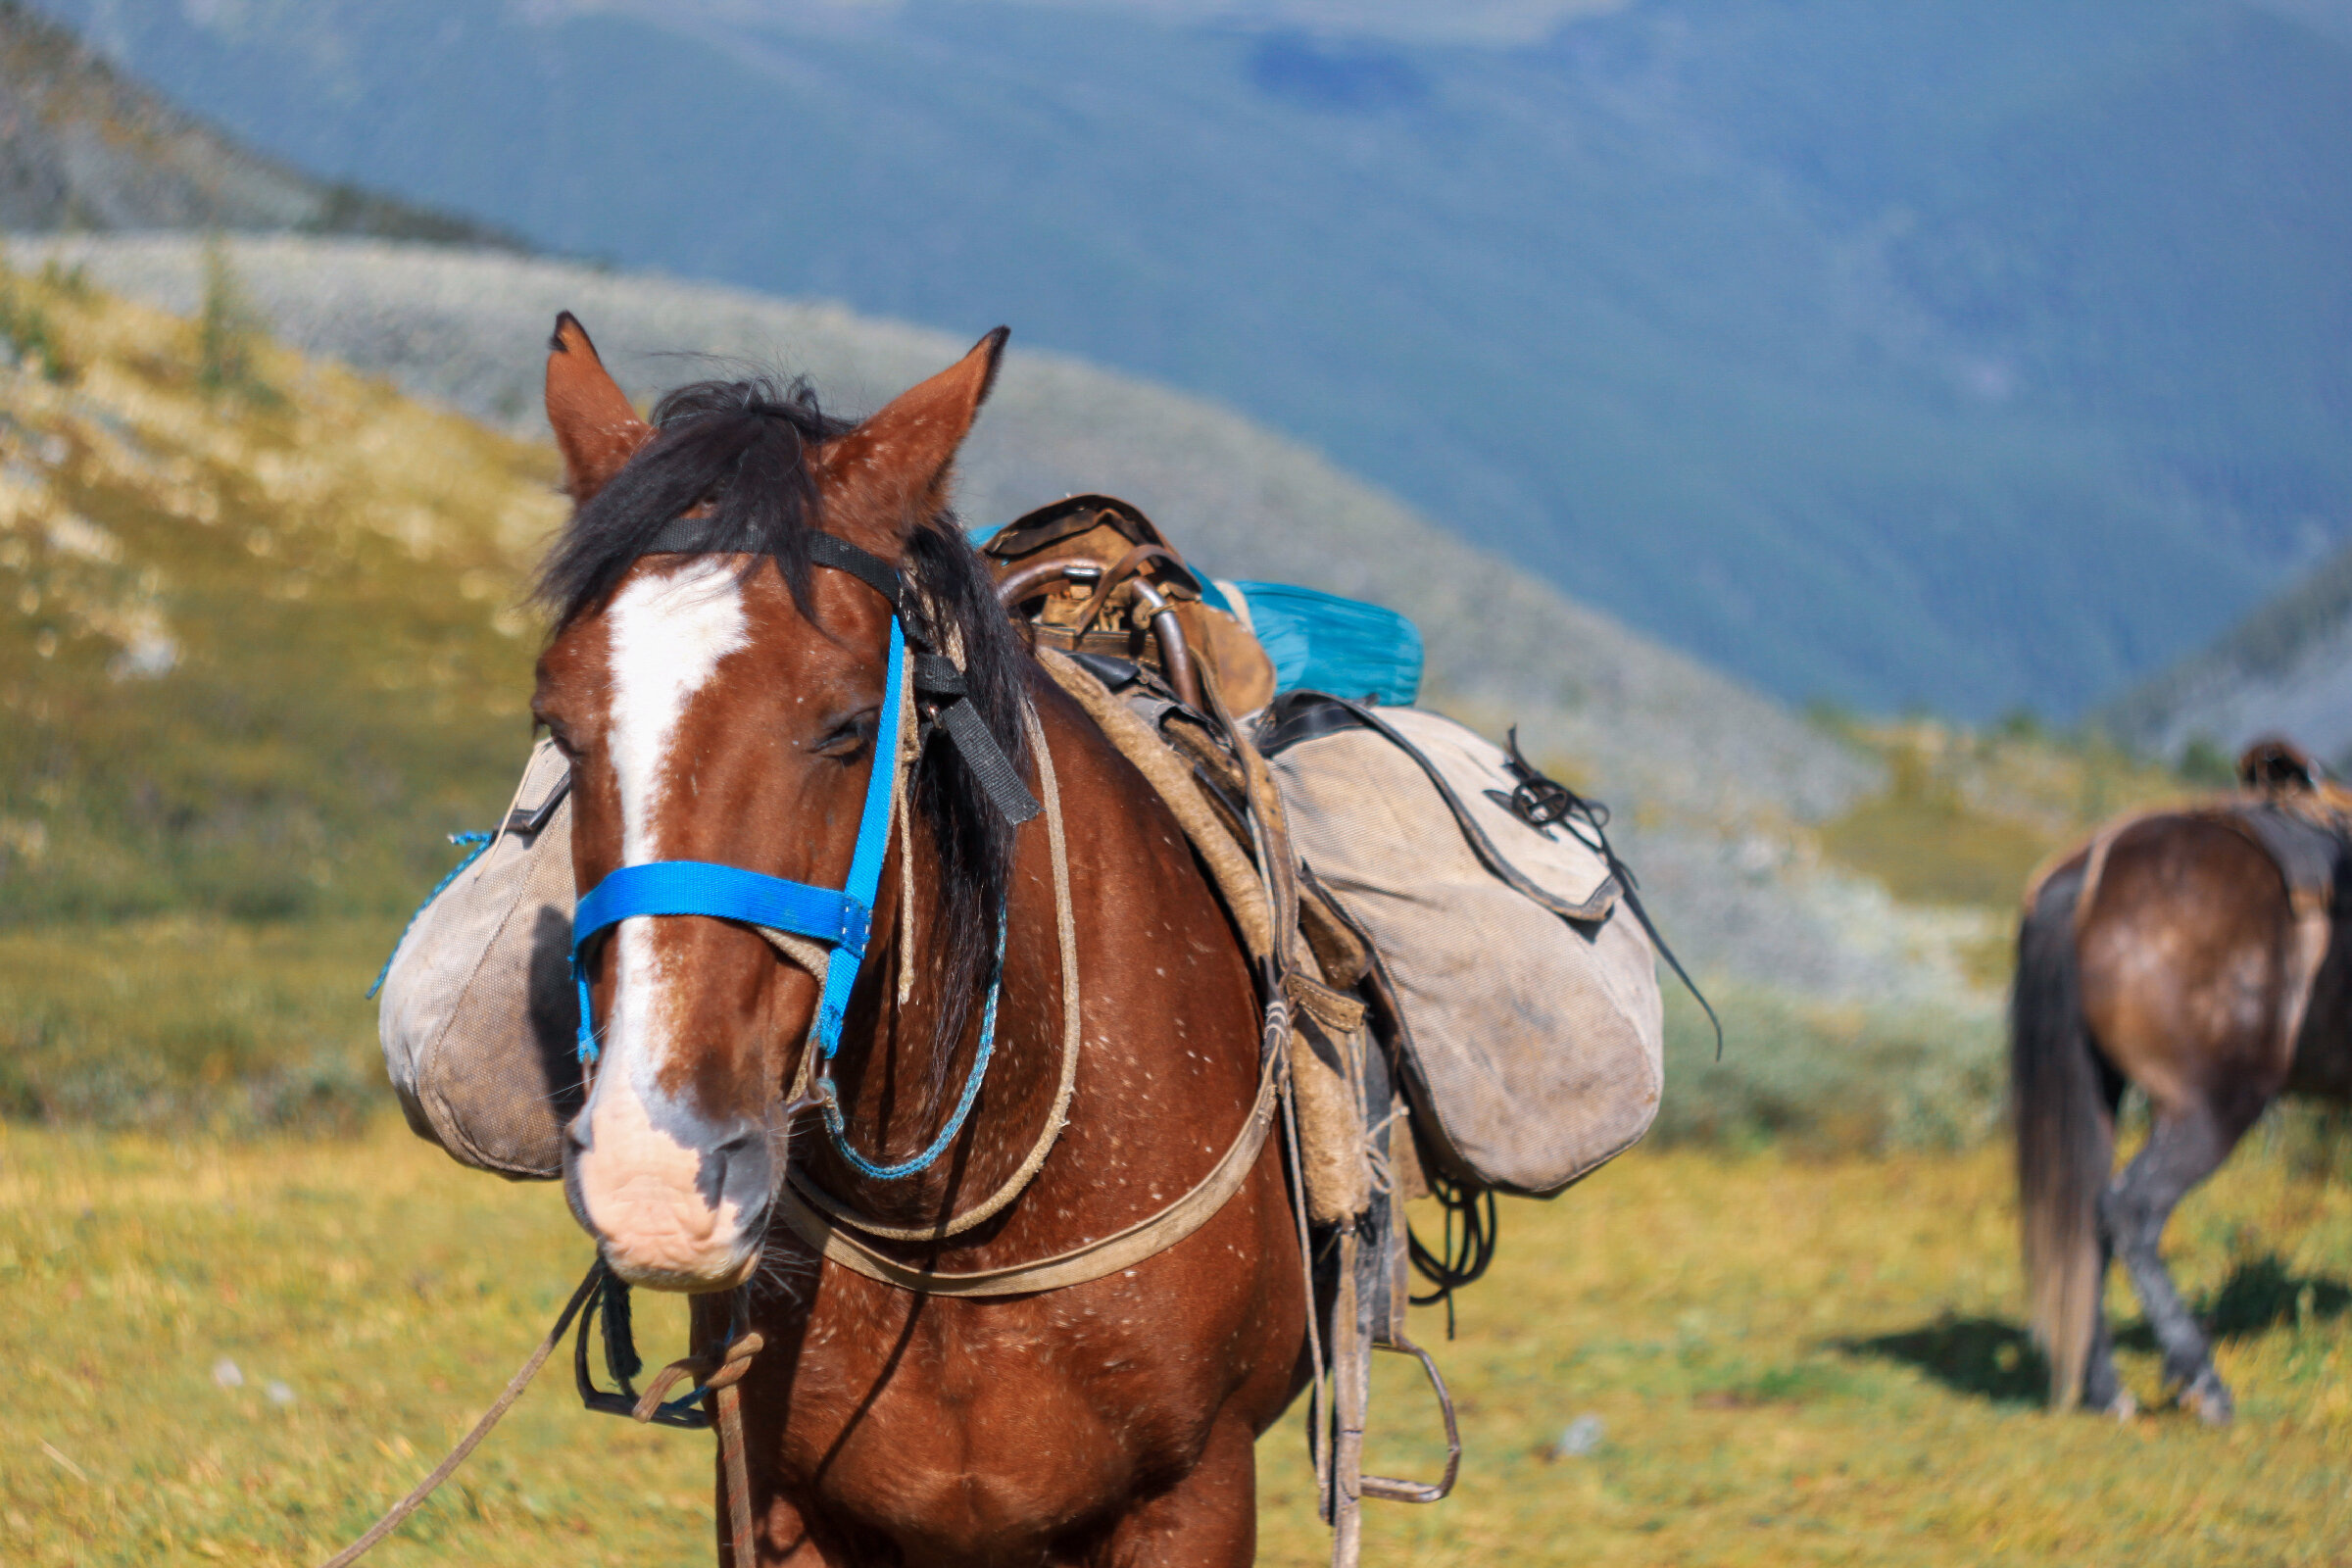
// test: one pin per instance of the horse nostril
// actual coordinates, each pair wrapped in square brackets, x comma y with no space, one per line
[740,1168]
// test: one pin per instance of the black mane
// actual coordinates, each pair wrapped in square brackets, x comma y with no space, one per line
[741,447]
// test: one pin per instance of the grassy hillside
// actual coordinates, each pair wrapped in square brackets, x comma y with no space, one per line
[257,618]
[259,652]
[1767,845]
[1943,353]
[468,328]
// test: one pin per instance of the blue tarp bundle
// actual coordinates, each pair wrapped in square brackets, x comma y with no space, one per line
[1323,643]
[1319,641]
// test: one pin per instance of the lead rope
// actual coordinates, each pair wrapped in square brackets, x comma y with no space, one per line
[1072,1034]
[520,1381]
[716,1374]
[719,1376]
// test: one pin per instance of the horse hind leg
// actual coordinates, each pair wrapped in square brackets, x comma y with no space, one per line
[2182,1150]
[2103,1389]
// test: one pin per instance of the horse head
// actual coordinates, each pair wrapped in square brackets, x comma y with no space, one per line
[721,702]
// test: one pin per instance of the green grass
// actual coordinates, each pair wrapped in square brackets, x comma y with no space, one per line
[1968,816]
[1793,1360]
[1828,1077]
[193,1021]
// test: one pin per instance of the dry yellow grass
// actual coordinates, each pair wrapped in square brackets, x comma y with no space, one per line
[1792,1362]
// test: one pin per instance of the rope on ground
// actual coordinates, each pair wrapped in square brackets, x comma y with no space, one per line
[521,1380]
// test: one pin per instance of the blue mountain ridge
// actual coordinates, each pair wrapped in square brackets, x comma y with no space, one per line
[1970,353]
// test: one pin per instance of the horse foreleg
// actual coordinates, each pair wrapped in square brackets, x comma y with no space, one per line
[2182,1150]
[1206,1520]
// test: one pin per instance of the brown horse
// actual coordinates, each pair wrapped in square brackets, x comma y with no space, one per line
[2189,954]
[722,705]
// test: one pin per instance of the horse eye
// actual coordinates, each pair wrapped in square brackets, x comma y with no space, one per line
[563,740]
[848,738]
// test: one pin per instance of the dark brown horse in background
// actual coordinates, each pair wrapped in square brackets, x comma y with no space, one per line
[2175,952]
[724,708]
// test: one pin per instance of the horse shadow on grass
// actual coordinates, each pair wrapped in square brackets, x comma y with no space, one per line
[1992,1358]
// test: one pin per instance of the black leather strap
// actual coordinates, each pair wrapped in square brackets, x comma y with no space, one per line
[871,569]
[934,676]
[695,536]
[1302,715]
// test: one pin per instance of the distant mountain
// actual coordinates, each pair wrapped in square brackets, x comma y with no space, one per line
[468,330]
[2286,669]
[82,148]
[1976,352]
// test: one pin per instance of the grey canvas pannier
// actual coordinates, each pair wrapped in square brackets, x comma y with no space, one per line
[477,1013]
[1523,987]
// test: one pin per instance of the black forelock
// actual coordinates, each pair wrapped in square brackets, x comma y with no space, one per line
[740,448]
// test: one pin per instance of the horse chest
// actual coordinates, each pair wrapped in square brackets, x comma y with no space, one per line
[1001,1418]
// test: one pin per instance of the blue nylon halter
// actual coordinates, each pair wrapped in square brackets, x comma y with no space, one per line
[841,918]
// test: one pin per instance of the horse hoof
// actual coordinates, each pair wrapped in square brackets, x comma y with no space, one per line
[2122,1408]
[2208,1399]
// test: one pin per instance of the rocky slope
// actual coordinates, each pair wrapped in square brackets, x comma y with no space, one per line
[2286,669]
[468,330]
[83,147]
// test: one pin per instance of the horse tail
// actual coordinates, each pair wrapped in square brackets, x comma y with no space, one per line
[2065,1144]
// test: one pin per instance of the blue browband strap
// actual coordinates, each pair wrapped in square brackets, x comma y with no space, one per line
[842,919]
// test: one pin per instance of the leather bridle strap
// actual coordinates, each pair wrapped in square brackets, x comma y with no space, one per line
[934,676]
[1147,1237]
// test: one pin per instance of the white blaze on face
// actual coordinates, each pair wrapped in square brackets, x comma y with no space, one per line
[638,1182]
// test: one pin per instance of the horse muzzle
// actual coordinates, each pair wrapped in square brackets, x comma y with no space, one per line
[675,1201]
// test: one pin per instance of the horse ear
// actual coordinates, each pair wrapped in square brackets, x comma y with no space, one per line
[890,474]
[597,429]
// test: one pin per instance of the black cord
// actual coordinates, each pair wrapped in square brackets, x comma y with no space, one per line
[1457,1262]
[1543,803]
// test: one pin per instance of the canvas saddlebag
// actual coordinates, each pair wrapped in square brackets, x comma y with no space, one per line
[1521,986]
[477,1013]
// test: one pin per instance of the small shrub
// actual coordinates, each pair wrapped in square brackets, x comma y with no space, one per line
[227,335]
[27,335]
[1828,1077]
[2205,764]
